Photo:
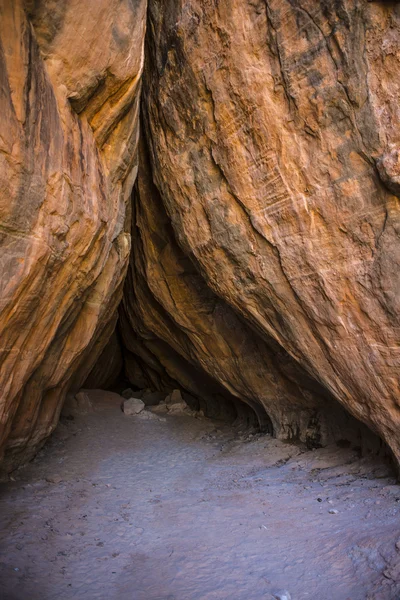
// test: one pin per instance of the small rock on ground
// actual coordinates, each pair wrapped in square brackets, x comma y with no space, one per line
[54,479]
[159,408]
[175,397]
[179,407]
[133,406]
[146,415]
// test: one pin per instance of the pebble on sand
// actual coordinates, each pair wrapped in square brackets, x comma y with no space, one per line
[133,406]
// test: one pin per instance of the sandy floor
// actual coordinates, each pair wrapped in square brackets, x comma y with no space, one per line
[118,508]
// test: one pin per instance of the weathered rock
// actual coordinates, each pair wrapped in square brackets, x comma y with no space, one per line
[265,250]
[176,404]
[280,245]
[159,408]
[175,323]
[147,415]
[54,479]
[393,572]
[179,408]
[79,404]
[70,79]
[83,403]
[133,406]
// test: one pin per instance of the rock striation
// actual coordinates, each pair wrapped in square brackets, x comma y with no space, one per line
[267,230]
[70,81]
[262,234]
[177,325]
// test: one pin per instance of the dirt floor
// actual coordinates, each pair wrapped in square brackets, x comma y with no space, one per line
[119,508]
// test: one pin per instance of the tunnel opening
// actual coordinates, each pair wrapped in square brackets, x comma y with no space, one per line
[124,372]
[150,369]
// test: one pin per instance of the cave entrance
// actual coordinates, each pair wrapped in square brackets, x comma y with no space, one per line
[151,373]
[219,406]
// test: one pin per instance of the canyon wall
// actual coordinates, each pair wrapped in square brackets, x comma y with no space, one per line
[264,263]
[70,81]
[267,246]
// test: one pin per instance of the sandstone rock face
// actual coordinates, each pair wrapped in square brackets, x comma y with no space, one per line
[70,80]
[182,326]
[109,366]
[264,264]
[267,252]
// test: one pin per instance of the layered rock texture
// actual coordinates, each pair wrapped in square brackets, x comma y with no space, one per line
[70,80]
[265,252]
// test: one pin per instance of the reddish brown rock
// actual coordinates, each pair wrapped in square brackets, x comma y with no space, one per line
[273,129]
[174,322]
[265,259]
[70,80]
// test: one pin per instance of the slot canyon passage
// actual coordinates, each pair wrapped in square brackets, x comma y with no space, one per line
[200,293]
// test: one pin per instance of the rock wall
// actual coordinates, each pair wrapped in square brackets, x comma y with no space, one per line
[70,80]
[177,326]
[269,249]
[265,226]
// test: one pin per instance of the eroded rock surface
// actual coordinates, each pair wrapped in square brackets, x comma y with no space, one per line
[179,324]
[70,79]
[265,254]
[271,249]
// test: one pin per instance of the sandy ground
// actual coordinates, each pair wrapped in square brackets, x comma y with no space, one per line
[119,508]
